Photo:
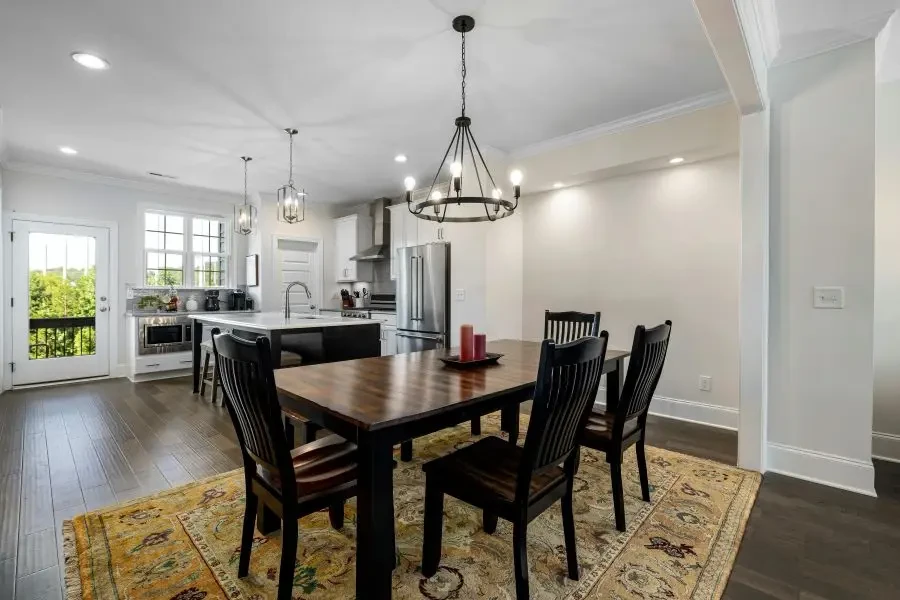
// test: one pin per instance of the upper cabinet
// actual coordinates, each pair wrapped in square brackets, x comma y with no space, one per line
[351,235]
[403,232]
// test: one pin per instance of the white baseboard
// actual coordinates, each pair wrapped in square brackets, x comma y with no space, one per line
[819,467]
[886,446]
[688,410]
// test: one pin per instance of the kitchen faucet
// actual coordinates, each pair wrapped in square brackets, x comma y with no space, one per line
[287,297]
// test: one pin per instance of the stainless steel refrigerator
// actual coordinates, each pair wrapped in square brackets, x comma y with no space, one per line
[423,297]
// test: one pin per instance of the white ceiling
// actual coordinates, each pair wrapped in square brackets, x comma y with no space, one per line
[195,84]
[802,28]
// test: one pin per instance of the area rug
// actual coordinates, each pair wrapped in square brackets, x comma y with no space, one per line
[183,544]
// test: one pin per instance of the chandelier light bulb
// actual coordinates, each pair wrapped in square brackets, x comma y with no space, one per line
[515,177]
[456,168]
[436,195]
[496,194]
[410,184]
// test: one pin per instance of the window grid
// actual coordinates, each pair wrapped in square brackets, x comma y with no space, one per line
[170,261]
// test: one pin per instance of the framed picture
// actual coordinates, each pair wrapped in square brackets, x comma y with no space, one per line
[253,270]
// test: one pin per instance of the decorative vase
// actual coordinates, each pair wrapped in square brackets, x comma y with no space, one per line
[191,304]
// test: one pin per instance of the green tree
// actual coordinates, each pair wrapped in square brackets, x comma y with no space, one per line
[54,297]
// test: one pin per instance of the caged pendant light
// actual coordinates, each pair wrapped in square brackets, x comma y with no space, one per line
[291,202]
[245,218]
[435,204]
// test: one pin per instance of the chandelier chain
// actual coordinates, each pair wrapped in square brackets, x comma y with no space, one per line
[291,167]
[245,181]
[463,70]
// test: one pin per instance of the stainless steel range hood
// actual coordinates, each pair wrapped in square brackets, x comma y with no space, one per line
[381,237]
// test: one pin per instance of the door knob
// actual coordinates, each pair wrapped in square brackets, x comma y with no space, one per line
[103,309]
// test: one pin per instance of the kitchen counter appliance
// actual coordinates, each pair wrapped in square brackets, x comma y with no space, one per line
[237,300]
[212,300]
[423,297]
[163,334]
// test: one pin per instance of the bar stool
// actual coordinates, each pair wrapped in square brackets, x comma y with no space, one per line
[207,349]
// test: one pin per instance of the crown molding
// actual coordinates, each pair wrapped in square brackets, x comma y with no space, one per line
[759,19]
[168,189]
[645,118]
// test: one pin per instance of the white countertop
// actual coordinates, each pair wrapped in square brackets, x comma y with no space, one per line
[275,321]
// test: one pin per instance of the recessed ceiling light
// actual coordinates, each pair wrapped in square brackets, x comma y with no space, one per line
[676,160]
[68,150]
[400,158]
[90,61]
[558,184]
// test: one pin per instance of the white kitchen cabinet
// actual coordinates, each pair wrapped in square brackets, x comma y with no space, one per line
[404,232]
[352,234]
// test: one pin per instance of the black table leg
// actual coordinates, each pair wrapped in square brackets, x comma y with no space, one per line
[196,339]
[375,541]
[614,381]
[509,422]
[266,521]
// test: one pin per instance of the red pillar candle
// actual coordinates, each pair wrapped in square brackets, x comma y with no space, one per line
[480,346]
[466,343]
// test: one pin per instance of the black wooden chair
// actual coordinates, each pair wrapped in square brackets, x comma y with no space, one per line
[614,432]
[292,483]
[562,328]
[568,326]
[518,484]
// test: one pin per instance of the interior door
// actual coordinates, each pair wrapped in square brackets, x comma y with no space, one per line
[297,260]
[60,302]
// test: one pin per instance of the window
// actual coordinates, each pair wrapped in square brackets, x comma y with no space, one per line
[183,250]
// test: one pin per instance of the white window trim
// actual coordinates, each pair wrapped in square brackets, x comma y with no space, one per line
[187,254]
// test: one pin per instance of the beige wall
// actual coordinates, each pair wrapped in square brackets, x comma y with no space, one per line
[886,425]
[644,248]
[822,234]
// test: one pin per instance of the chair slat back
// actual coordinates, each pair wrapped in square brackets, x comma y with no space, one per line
[645,365]
[568,326]
[248,380]
[568,378]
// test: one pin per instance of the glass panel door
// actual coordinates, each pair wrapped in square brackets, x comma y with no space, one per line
[60,302]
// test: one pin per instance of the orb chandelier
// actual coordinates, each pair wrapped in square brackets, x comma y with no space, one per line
[245,214]
[291,202]
[434,205]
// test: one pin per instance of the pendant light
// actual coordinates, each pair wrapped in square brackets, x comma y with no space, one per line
[291,202]
[435,204]
[245,214]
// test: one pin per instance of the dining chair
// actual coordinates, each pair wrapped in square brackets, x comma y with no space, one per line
[291,482]
[519,483]
[561,327]
[568,326]
[614,432]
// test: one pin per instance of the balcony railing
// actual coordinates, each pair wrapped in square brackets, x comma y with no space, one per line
[62,337]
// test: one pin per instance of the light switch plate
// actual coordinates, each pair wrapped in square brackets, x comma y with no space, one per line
[460,295]
[828,297]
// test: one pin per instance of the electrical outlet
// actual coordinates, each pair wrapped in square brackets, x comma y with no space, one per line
[460,295]
[705,384]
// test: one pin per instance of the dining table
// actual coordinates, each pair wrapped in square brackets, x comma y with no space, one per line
[381,402]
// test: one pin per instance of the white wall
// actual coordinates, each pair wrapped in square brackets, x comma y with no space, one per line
[886,425]
[57,196]
[822,233]
[642,249]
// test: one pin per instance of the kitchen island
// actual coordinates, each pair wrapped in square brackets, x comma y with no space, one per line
[315,338]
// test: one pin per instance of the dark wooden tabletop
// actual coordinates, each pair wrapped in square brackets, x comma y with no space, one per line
[376,393]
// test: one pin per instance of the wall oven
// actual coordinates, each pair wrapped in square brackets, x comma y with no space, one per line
[163,334]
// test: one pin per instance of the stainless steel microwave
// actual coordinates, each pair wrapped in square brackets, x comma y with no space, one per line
[163,334]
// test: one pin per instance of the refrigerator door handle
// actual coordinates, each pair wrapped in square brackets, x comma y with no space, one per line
[413,296]
[420,278]
[420,336]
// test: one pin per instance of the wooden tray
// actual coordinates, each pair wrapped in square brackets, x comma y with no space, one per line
[453,361]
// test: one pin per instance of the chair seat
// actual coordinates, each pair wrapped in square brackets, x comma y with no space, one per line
[490,466]
[599,429]
[318,466]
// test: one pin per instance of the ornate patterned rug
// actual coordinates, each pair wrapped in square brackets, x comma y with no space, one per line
[183,544]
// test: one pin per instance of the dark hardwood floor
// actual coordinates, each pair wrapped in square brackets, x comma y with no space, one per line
[72,448]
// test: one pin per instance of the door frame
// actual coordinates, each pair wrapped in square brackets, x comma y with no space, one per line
[319,261]
[114,308]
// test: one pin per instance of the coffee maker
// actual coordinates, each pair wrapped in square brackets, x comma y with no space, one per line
[238,300]
[212,300]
